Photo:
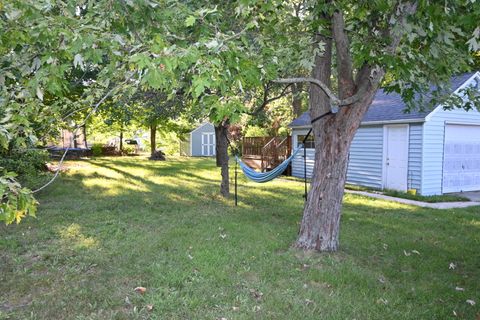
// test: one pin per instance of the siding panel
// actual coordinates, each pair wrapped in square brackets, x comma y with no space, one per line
[365,165]
[414,178]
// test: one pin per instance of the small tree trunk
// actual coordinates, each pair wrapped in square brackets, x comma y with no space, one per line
[75,142]
[85,134]
[121,140]
[297,99]
[221,148]
[153,138]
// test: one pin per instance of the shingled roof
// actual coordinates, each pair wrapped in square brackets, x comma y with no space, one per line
[388,107]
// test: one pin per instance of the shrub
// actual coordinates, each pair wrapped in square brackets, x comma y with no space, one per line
[128,149]
[97,149]
[255,131]
[29,165]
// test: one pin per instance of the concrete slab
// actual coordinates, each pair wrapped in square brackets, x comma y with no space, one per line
[438,205]
[472,195]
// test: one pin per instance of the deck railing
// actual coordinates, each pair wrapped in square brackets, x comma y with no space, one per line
[270,150]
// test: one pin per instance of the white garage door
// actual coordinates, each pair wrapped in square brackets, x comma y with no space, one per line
[461,163]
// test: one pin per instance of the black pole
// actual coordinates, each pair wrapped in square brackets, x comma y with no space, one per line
[305,162]
[236,196]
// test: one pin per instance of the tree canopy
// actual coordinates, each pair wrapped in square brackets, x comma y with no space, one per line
[59,57]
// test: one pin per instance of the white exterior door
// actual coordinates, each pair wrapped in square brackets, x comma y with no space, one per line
[461,158]
[208,144]
[396,157]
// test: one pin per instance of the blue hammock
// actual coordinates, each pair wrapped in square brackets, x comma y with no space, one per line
[266,176]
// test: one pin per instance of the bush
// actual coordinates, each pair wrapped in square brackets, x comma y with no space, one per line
[29,165]
[255,131]
[97,149]
[128,149]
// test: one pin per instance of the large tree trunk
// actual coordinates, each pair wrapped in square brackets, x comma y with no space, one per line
[333,135]
[221,148]
[153,138]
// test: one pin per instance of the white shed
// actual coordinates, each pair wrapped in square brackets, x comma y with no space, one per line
[434,151]
[200,142]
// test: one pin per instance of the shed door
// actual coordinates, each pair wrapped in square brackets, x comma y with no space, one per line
[461,160]
[208,144]
[396,157]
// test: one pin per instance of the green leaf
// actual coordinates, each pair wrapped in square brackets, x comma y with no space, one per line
[190,21]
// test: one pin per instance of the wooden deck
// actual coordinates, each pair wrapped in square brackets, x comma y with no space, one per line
[265,153]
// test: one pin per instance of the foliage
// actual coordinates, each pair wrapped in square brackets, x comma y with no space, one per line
[256,131]
[29,166]
[15,202]
[199,251]
[97,149]
[128,149]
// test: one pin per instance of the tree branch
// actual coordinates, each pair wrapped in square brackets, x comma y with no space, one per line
[346,84]
[405,11]
[314,81]
[373,75]
[267,100]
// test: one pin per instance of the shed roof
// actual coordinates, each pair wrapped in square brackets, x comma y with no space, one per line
[389,107]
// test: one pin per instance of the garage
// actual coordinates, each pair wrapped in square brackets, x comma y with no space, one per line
[461,165]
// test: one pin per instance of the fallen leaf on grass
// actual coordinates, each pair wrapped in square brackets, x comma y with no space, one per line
[140,290]
[149,307]
[308,301]
[470,302]
[382,300]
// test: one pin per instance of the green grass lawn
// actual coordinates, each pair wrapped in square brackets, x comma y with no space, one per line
[112,224]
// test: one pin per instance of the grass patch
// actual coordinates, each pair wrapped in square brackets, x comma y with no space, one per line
[112,224]
[405,195]
[431,199]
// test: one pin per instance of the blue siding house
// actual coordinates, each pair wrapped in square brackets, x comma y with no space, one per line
[434,151]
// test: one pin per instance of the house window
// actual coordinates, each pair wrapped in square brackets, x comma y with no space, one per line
[309,144]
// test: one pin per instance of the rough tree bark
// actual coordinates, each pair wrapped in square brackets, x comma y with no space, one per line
[333,136]
[153,138]
[221,153]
